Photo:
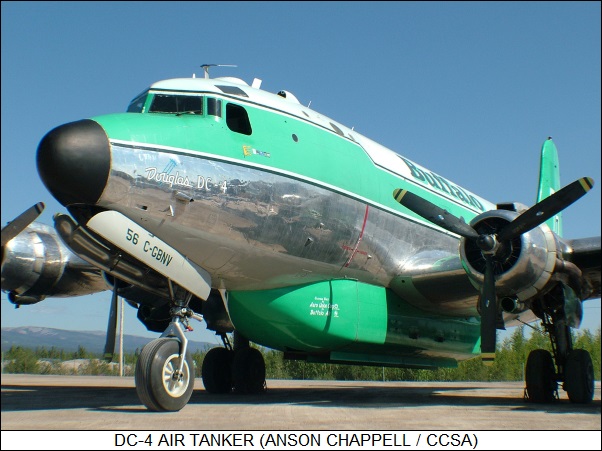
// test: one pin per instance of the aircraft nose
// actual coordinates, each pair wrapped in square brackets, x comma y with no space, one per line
[74,161]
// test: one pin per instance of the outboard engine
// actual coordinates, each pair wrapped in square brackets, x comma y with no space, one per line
[36,264]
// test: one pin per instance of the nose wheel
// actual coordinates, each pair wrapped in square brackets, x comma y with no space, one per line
[160,383]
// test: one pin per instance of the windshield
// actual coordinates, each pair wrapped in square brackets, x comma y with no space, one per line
[137,105]
[170,103]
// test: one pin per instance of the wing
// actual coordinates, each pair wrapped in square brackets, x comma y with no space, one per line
[585,254]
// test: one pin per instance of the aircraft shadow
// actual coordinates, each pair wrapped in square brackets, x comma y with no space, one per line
[124,399]
[371,396]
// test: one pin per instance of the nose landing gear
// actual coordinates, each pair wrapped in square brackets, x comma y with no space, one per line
[165,369]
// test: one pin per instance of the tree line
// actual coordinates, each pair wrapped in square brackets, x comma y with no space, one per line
[511,355]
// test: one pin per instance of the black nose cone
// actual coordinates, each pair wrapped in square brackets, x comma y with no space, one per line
[74,162]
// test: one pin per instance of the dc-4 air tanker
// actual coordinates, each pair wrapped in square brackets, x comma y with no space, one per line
[213,200]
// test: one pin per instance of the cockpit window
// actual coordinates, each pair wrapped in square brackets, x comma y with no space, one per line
[170,103]
[237,119]
[137,105]
[214,107]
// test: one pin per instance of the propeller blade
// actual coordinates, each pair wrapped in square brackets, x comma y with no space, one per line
[433,213]
[16,226]
[544,210]
[488,303]
[112,326]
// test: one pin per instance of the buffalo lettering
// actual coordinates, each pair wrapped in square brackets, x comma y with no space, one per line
[441,184]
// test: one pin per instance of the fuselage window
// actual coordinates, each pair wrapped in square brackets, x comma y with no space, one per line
[169,103]
[214,107]
[237,119]
[232,90]
[337,129]
[137,105]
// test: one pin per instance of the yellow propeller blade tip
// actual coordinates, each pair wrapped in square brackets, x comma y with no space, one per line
[399,193]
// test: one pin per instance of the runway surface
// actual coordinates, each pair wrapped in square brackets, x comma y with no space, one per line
[110,403]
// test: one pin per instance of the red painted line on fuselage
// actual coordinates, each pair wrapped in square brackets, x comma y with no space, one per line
[360,237]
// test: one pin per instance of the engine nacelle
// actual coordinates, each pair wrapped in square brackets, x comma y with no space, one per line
[522,266]
[36,264]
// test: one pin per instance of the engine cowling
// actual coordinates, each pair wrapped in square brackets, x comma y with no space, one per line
[36,264]
[523,266]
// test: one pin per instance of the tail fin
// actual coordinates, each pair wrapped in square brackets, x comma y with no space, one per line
[549,180]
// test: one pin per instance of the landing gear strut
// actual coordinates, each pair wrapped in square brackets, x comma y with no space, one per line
[575,368]
[239,368]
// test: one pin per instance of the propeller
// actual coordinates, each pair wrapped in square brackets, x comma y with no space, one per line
[434,214]
[491,243]
[112,326]
[548,207]
[17,225]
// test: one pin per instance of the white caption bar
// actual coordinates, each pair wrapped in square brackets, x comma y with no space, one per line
[272,440]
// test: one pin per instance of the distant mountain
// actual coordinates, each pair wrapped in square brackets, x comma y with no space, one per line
[69,341]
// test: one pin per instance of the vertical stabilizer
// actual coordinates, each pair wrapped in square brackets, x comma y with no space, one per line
[549,180]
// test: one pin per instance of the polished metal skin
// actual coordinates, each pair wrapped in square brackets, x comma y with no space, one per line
[37,264]
[258,230]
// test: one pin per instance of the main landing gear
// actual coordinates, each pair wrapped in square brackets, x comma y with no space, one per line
[240,368]
[575,368]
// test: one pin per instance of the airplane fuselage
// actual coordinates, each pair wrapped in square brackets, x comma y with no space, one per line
[292,214]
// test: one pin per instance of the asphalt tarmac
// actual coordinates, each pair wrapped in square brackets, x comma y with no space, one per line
[110,403]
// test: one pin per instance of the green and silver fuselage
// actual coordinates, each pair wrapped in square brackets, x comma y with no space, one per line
[293,215]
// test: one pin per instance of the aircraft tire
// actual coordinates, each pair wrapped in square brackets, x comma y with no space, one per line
[540,377]
[248,371]
[154,370]
[217,371]
[579,376]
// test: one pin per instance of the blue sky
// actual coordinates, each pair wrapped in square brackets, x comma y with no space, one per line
[469,89]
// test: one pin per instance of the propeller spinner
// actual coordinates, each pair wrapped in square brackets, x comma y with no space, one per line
[492,244]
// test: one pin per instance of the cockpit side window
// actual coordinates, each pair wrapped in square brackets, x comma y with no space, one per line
[214,107]
[137,105]
[237,119]
[170,103]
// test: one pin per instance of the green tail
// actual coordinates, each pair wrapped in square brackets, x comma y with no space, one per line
[549,180]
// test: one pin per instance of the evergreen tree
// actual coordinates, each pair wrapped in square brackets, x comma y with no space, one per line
[21,360]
